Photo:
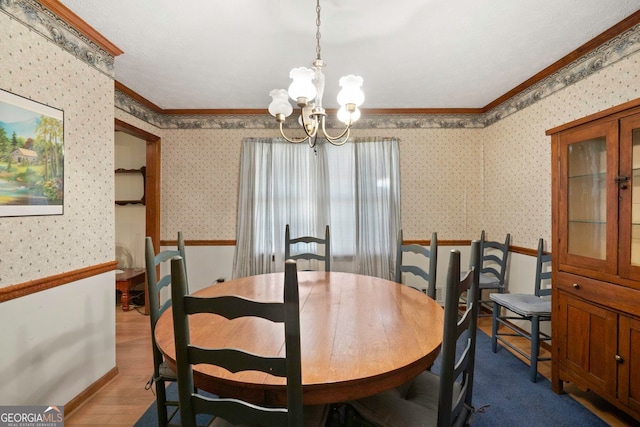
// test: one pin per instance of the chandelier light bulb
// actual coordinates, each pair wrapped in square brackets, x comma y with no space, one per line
[280,103]
[351,92]
[347,117]
[302,86]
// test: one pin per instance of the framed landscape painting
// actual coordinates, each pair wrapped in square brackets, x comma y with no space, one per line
[31,157]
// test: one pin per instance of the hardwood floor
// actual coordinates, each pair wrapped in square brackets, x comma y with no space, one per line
[123,400]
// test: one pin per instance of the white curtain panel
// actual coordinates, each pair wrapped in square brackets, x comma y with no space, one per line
[377,192]
[353,188]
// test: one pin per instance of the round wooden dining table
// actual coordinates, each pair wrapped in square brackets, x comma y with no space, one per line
[359,335]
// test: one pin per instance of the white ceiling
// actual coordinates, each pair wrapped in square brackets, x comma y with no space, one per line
[411,53]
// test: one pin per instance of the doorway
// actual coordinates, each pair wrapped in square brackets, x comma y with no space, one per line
[151,182]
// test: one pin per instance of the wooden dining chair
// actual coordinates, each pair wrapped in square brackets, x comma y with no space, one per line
[493,258]
[290,244]
[431,399]
[429,255]
[529,307]
[229,411]
[161,372]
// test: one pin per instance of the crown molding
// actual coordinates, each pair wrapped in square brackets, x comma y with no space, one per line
[592,62]
[142,111]
[61,26]
[595,55]
[618,29]
[76,22]
[56,23]
[138,98]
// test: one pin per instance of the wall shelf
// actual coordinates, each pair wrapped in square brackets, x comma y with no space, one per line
[143,172]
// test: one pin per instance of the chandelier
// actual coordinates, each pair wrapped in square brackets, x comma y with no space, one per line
[306,90]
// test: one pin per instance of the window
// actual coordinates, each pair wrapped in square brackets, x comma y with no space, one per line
[353,188]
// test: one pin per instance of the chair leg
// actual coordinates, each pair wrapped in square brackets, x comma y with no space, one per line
[494,328]
[480,304]
[535,348]
[161,398]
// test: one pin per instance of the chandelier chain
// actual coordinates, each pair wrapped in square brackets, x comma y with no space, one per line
[318,29]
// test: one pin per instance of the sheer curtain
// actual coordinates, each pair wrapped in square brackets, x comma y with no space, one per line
[354,189]
[377,193]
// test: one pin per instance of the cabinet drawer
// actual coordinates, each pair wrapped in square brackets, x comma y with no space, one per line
[607,294]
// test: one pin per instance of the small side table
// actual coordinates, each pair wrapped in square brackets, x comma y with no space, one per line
[126,280]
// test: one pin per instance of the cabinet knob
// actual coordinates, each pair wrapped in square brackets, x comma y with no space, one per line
[619,359]
[576,286]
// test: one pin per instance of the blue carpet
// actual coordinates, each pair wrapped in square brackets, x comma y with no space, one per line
[504,396]
[502,393]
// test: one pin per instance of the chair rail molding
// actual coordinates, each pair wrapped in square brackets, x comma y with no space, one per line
[31,287]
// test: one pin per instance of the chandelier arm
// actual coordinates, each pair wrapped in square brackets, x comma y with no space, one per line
[341,142]
[292,140]
[336,140]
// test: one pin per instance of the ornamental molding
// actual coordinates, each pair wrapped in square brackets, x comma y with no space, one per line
[46,23]
[41,20]
[603,56]
[266,121]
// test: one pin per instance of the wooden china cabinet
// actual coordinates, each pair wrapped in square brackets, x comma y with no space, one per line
[596,255]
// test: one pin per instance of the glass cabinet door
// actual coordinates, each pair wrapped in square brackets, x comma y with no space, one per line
[588,161]
[587,198]
[629,184]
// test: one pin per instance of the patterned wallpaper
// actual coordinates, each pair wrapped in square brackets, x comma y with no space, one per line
[439,178]
[200,171]
[34,247]
[440,190]
[517,166]
[460,174]
[456,181]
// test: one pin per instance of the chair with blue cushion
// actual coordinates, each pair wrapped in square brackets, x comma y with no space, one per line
[529,307]
[303,244]
[161,372]
[431,399]
[429,255]
[230,411]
